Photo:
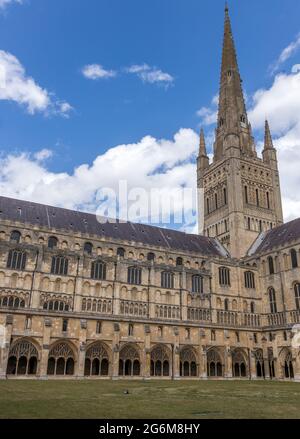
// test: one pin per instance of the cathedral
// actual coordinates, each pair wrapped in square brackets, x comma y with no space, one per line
[84,300]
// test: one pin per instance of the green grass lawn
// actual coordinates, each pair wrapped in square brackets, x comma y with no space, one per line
[149,399]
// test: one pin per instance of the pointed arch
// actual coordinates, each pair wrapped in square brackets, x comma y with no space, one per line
[61,359]
[23,358]
[129,360]
[215,367]
[160,361]
[188,362]
[97,360]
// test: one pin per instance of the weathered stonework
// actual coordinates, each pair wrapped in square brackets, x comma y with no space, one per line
[81,299]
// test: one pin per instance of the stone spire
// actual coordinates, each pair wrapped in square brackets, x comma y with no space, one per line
[203,157]
[268,137]
[269,152]
[233,129]
[202,148]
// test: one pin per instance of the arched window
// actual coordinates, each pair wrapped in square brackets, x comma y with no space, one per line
[249,280]
[224,276]
[160,361]
[22,358]
[88,248]
[239,365]
[249,223]
[121,252]
[294,258]
[225,195]
[16,260]
[197,284]
[61,360]
[15,236]
[129,363]
[98,270]
[179,262]
[12,302]
[167,279]
[268,200]
[134,276]
[246,194]
[271,265]
[214,364]
[257,197]
[188,362]
[252,307]
[150,256]
[216,201]
[52,242]
[207,206]
[226,304]
[297,295]
[56,305]
[272,300]
[96,360]
[59,265]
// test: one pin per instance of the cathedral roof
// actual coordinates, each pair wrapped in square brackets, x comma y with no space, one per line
[86,223]
[280,236]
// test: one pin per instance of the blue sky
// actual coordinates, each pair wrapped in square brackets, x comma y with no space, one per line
[54,39]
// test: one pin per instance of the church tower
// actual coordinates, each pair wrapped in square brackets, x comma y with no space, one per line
[241,191]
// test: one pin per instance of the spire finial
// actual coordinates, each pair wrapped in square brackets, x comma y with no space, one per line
[226,7]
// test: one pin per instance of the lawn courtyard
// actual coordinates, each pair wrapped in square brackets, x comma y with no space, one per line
[149,399]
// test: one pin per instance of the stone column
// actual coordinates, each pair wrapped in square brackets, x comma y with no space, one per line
[6,342]
[203,363]
[228,363]
[116,352]
[266,364]
[176,355]
[82,349]
[43,366]
[147,357]
[252,366]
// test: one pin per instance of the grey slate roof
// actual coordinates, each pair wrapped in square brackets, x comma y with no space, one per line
[279,236]
[86,223]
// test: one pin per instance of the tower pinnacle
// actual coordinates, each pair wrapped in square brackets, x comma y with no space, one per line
[268,137]
[202,148]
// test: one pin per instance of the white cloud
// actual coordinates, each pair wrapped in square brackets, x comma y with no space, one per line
[289,51]
[16,86]
[296,68]
[150,74]
[208,115]
[96,71]
[150,163]
[43,154]
[4,3]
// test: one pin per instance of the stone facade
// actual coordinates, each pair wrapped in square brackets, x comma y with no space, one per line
[79,299]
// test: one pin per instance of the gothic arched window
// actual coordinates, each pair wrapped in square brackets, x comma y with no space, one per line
[272,300]
[297,295]
[249,280]
[121,252]
[271,265]
[98,270]
[179,262]
[224,276]
[134,276]
[167,279]
[59,265]
[197,284]
[150,256]
[16,260]
[294,258]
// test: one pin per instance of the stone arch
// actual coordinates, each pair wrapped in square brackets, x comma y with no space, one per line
[129,360]
[160,361]
[97,360]
[61,359]
[188,362]
[215,365]
[286,363]
[239,364]
[259,363]
[23,358]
